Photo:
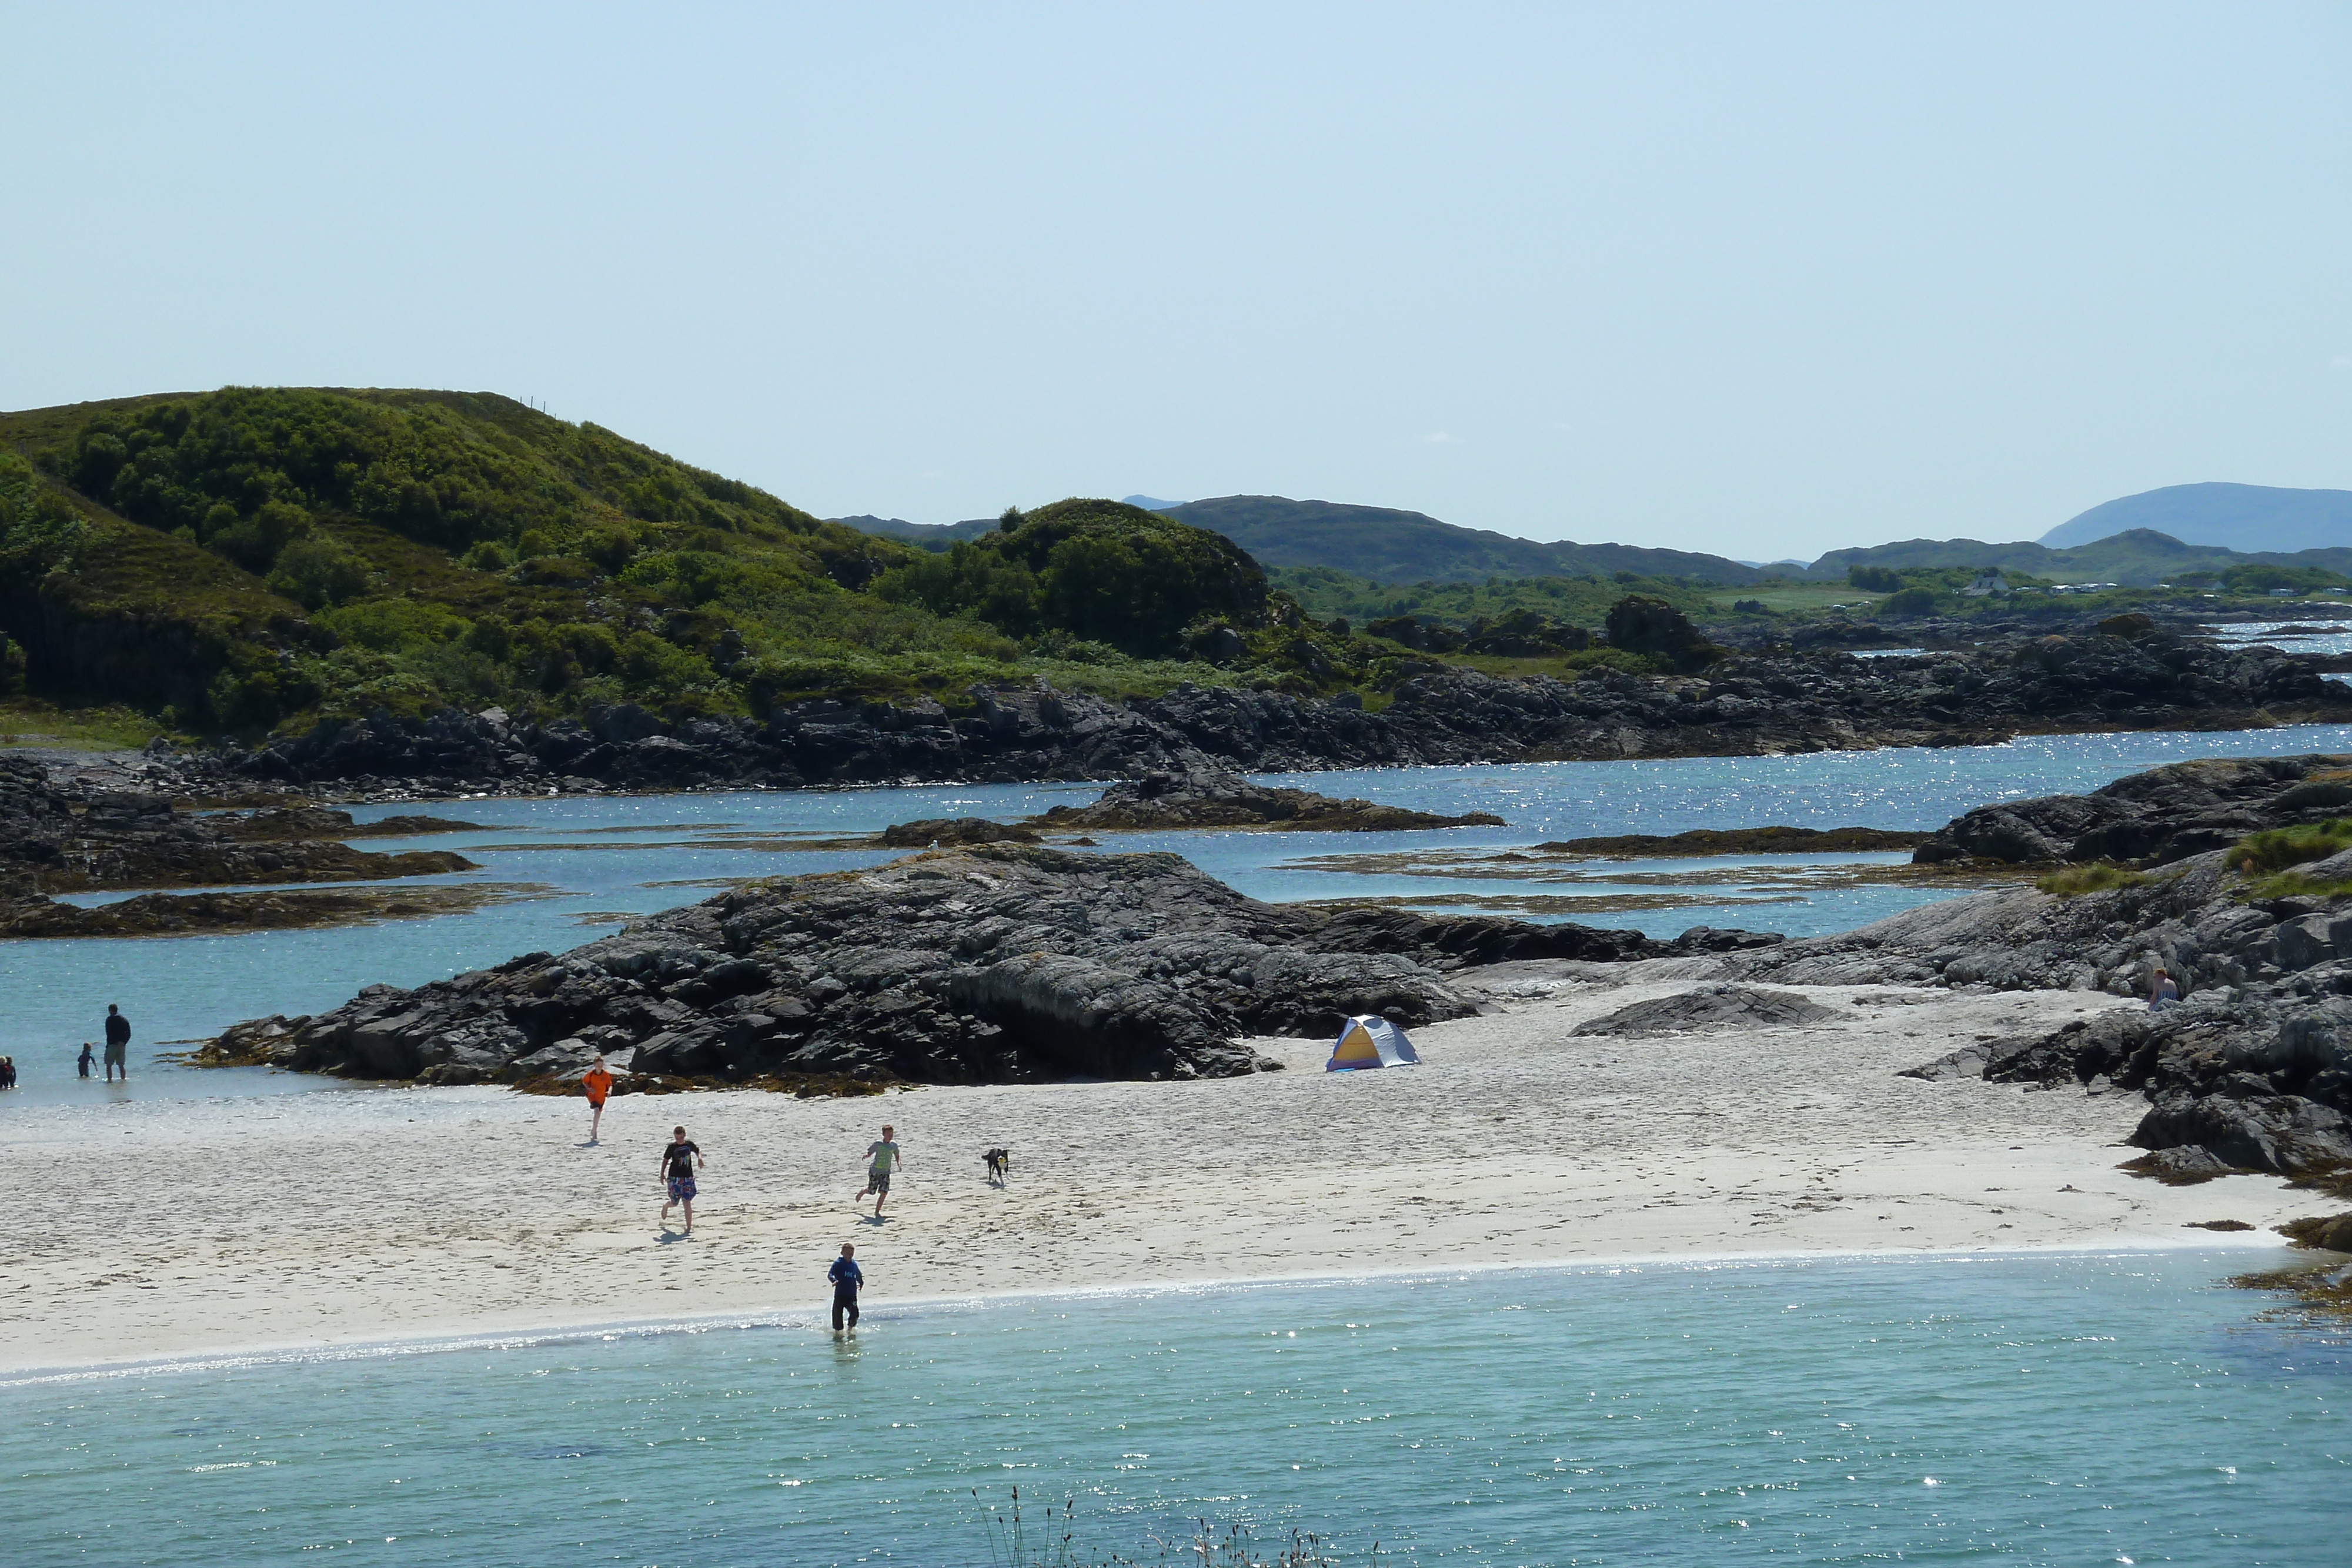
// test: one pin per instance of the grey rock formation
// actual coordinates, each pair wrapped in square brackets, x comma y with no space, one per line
[2154,818]
[60,839]
[1220,798]
[991,964]
[1711,1007]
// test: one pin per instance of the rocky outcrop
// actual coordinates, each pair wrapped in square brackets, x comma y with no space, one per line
[1775,840]
[1710,1008]
[25,914]
[1219,798]
[953,832]
[992,963]
[2154,818]
[1764,703]
[53,841]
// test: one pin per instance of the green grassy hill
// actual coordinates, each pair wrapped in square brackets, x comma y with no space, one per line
[236,560]
[1387,546]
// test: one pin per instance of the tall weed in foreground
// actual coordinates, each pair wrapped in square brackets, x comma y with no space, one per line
[1208,1546]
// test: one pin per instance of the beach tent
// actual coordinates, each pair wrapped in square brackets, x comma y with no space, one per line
[1368,1041]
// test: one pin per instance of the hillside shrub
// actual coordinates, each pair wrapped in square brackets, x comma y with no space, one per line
[1640,624]
[316,572]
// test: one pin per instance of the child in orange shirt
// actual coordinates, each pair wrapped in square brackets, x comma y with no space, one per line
[597,1082]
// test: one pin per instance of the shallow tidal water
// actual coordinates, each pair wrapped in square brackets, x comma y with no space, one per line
[579,866]
[2065,1408]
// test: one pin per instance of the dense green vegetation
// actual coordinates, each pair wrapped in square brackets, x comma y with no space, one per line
[251,557]
[1098,570]
[1582,600]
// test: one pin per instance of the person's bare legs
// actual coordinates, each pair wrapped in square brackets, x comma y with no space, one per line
[688,1204]
[596,1121]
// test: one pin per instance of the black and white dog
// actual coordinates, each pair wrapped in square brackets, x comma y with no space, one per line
[998,1161]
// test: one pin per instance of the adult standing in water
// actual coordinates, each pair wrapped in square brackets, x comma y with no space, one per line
[679,1157]
[881,1159]
[118,1043]
[597,1082]
[847,1279]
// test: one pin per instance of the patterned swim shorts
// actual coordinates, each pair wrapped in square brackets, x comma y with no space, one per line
[681,1189]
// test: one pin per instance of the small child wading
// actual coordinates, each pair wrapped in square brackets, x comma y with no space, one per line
[847,1281]
[882,1159]
[679,1158]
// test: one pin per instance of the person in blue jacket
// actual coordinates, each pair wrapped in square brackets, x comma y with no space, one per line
[846,1279]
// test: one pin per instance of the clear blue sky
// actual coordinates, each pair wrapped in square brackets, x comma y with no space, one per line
[1763,280]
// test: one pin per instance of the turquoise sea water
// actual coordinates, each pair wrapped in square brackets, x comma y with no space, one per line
[2064,1408]
[585,863]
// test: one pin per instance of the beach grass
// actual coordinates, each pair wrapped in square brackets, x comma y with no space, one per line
[28,721]
[2100,876]
[2277,848]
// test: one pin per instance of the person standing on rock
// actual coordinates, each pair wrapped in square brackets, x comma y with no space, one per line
[847,1279]
[679,1157]
[881,1159]
[118,1044]
[596,1084]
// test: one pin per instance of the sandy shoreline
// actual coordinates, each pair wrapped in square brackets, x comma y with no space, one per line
[178,1230]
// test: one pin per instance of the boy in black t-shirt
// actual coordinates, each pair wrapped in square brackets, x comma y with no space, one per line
[679,1158]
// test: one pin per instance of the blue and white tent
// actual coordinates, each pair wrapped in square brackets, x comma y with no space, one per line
[1369,1041]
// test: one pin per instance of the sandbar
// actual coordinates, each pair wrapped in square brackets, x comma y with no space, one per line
[164,1230]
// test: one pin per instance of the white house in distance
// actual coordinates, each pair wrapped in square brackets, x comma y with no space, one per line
[1990,583]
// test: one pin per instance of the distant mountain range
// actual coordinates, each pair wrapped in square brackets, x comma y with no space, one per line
[2135,541]
[1389,546]
[2250,518]
[2137,559]
[930,535]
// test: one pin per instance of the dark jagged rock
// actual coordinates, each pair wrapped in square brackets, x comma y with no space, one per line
[1740,840]
[274,824]
[953,832]
[24,914]
[61,842]
[1219,798]
[2153,818]
[992,963]
[1759,703]
[1710,1008]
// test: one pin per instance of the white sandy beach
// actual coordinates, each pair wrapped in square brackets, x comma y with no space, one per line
[161,1229]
